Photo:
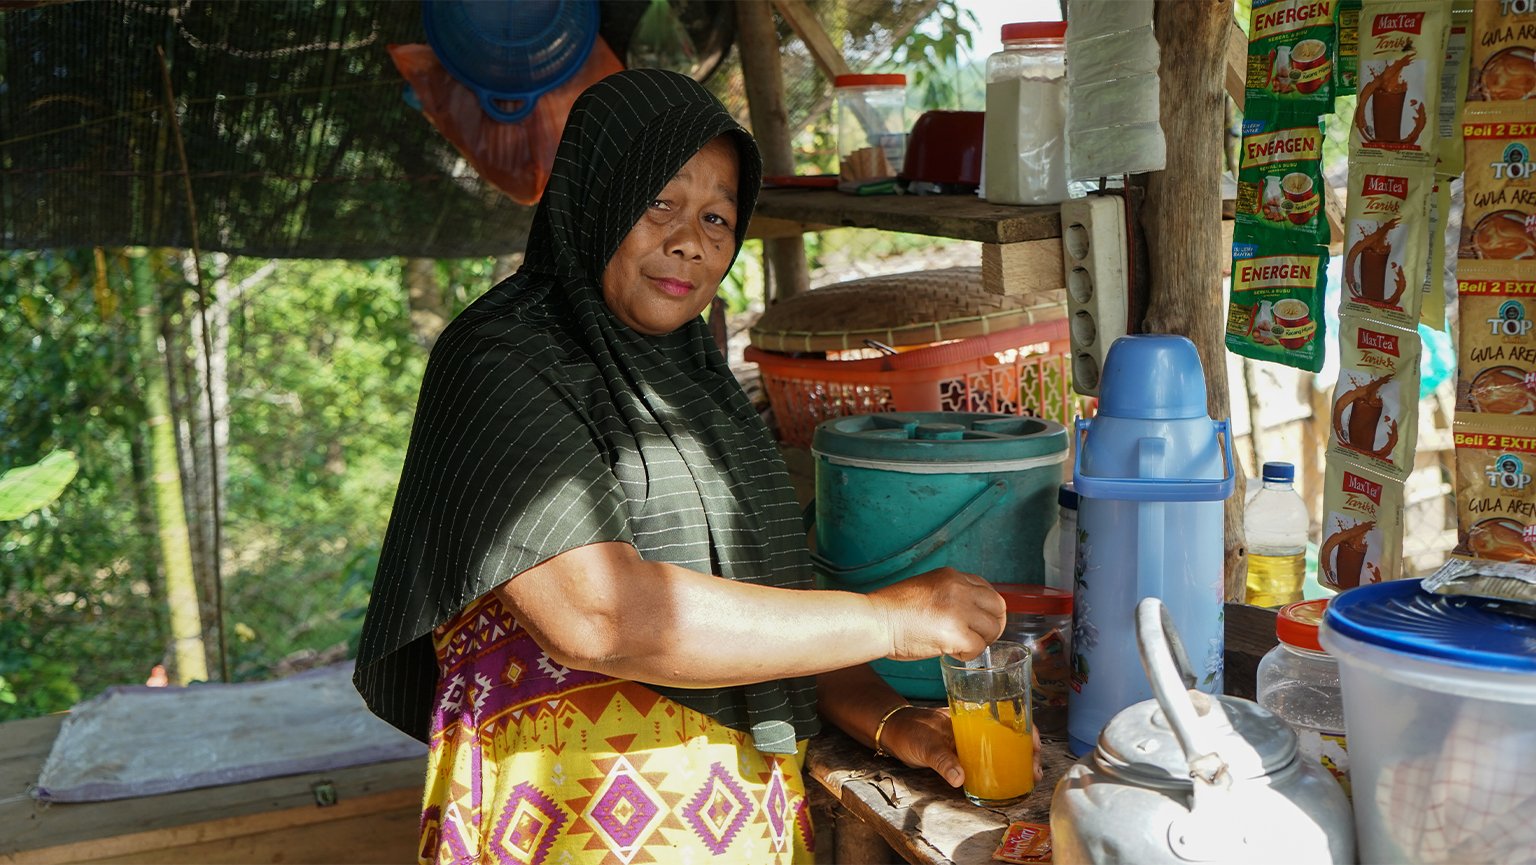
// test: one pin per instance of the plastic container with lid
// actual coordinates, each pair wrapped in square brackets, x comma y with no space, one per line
[871,127]
[1024,150]
[1061,540]
[1298,681]
[1440,707]
[1040,617]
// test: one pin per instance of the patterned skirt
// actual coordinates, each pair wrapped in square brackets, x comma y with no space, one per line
[532,762]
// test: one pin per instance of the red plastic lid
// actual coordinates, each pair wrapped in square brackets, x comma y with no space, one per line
[1035,600]
[1296,624]
[870,80]
[1035,30]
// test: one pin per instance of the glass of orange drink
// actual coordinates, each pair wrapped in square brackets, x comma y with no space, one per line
[989,710]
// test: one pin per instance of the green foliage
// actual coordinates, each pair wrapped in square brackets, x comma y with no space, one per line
[25,489]
[931,54]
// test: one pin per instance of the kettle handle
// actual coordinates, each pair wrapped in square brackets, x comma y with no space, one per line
[1172,678]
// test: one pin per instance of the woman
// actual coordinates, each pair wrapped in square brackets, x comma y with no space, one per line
[590,502]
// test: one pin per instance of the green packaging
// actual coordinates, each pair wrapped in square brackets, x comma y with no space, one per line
[1276,307]
[1346,74]
[1280,179]
[1291,47]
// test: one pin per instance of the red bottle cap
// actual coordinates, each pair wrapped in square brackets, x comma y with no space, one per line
[1035,600]
[1296,624]
[1035,30]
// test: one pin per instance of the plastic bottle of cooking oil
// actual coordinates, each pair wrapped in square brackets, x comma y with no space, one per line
[1275,528]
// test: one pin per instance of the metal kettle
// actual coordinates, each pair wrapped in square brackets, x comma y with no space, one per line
[1191,778]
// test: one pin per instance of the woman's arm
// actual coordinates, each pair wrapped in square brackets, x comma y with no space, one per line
[602,608]
[856,698]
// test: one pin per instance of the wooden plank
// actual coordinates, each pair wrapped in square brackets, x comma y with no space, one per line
[962,217]
[1249,635]
[1023,269]
[765,227]
[38,832]
[1236,63]
[803,21]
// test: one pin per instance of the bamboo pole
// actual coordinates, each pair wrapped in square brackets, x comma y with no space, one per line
[1183,203]
[757,39]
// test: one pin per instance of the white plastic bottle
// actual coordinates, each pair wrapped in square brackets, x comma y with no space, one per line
[1275,527]
[1060,551]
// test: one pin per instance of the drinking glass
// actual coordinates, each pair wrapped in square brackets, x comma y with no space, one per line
[990,712]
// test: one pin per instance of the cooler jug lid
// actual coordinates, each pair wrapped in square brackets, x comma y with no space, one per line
[940,437]
[1139,745]
[1402,616]
[1152,376]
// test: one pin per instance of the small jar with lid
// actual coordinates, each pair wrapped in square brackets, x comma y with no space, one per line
[871,127]
[1298,681]
[1040,617]
[1024,149]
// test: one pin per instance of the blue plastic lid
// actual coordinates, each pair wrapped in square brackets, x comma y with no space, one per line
[1401,616]
[1153,377]
[1282,473]
[1066,496]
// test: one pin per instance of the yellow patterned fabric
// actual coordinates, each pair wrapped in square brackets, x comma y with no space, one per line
[533,762]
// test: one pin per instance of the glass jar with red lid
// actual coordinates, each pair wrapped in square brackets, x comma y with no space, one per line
[1299,681]
[1040,617]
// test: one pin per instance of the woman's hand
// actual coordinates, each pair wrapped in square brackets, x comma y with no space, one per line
[921,736]
[941,612]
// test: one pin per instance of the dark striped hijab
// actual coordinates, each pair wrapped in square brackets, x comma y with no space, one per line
[545,424]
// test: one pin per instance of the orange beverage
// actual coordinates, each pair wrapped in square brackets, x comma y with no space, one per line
[997,754]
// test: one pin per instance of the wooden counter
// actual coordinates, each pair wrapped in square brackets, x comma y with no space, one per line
[362,814]
[912,815]
[961,217]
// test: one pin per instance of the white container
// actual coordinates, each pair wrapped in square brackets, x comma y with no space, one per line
[1024,145]
[1061,541]
[1298,681]
[1440,708]
[1275,526]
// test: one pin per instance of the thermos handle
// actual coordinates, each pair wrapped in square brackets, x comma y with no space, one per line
[1169,671]
[1156,489]
[918,550]
[1150,452]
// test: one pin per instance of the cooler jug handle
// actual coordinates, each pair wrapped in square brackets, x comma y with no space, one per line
[920,549]
[1156,489]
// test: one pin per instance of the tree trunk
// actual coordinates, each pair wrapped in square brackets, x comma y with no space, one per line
[188,655]
[424,295]
[763,73]
[1182,216]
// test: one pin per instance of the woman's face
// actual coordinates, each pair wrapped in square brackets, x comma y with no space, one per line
[671,263]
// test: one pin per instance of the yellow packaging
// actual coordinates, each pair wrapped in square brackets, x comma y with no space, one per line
[1500,62]
[1432,309]
[1496,348]
[1450,156]
[1386,253]
[1375,416]
[1495,496]
[1362,526]
[1402,49]
[1499,201]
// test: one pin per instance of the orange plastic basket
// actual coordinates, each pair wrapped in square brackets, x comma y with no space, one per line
[1005,373]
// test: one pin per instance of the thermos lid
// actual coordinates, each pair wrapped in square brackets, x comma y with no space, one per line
[1402,616]
[1152,377]
[1139,745]
[1066,496]
[958,441]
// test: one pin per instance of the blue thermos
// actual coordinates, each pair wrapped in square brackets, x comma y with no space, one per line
[1151,473]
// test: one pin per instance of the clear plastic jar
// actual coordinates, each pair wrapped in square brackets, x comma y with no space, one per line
[1024,151]
[871,126]
[1040,617]
[1298,681]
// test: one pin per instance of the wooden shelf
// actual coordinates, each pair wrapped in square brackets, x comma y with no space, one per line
[962,217]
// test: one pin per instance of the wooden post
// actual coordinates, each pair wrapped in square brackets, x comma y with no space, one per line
[1183,209]
[757,39]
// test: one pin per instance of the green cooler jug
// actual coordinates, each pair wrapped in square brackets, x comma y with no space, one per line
[903,493]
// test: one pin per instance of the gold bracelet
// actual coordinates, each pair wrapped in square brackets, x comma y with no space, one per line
[880,728]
